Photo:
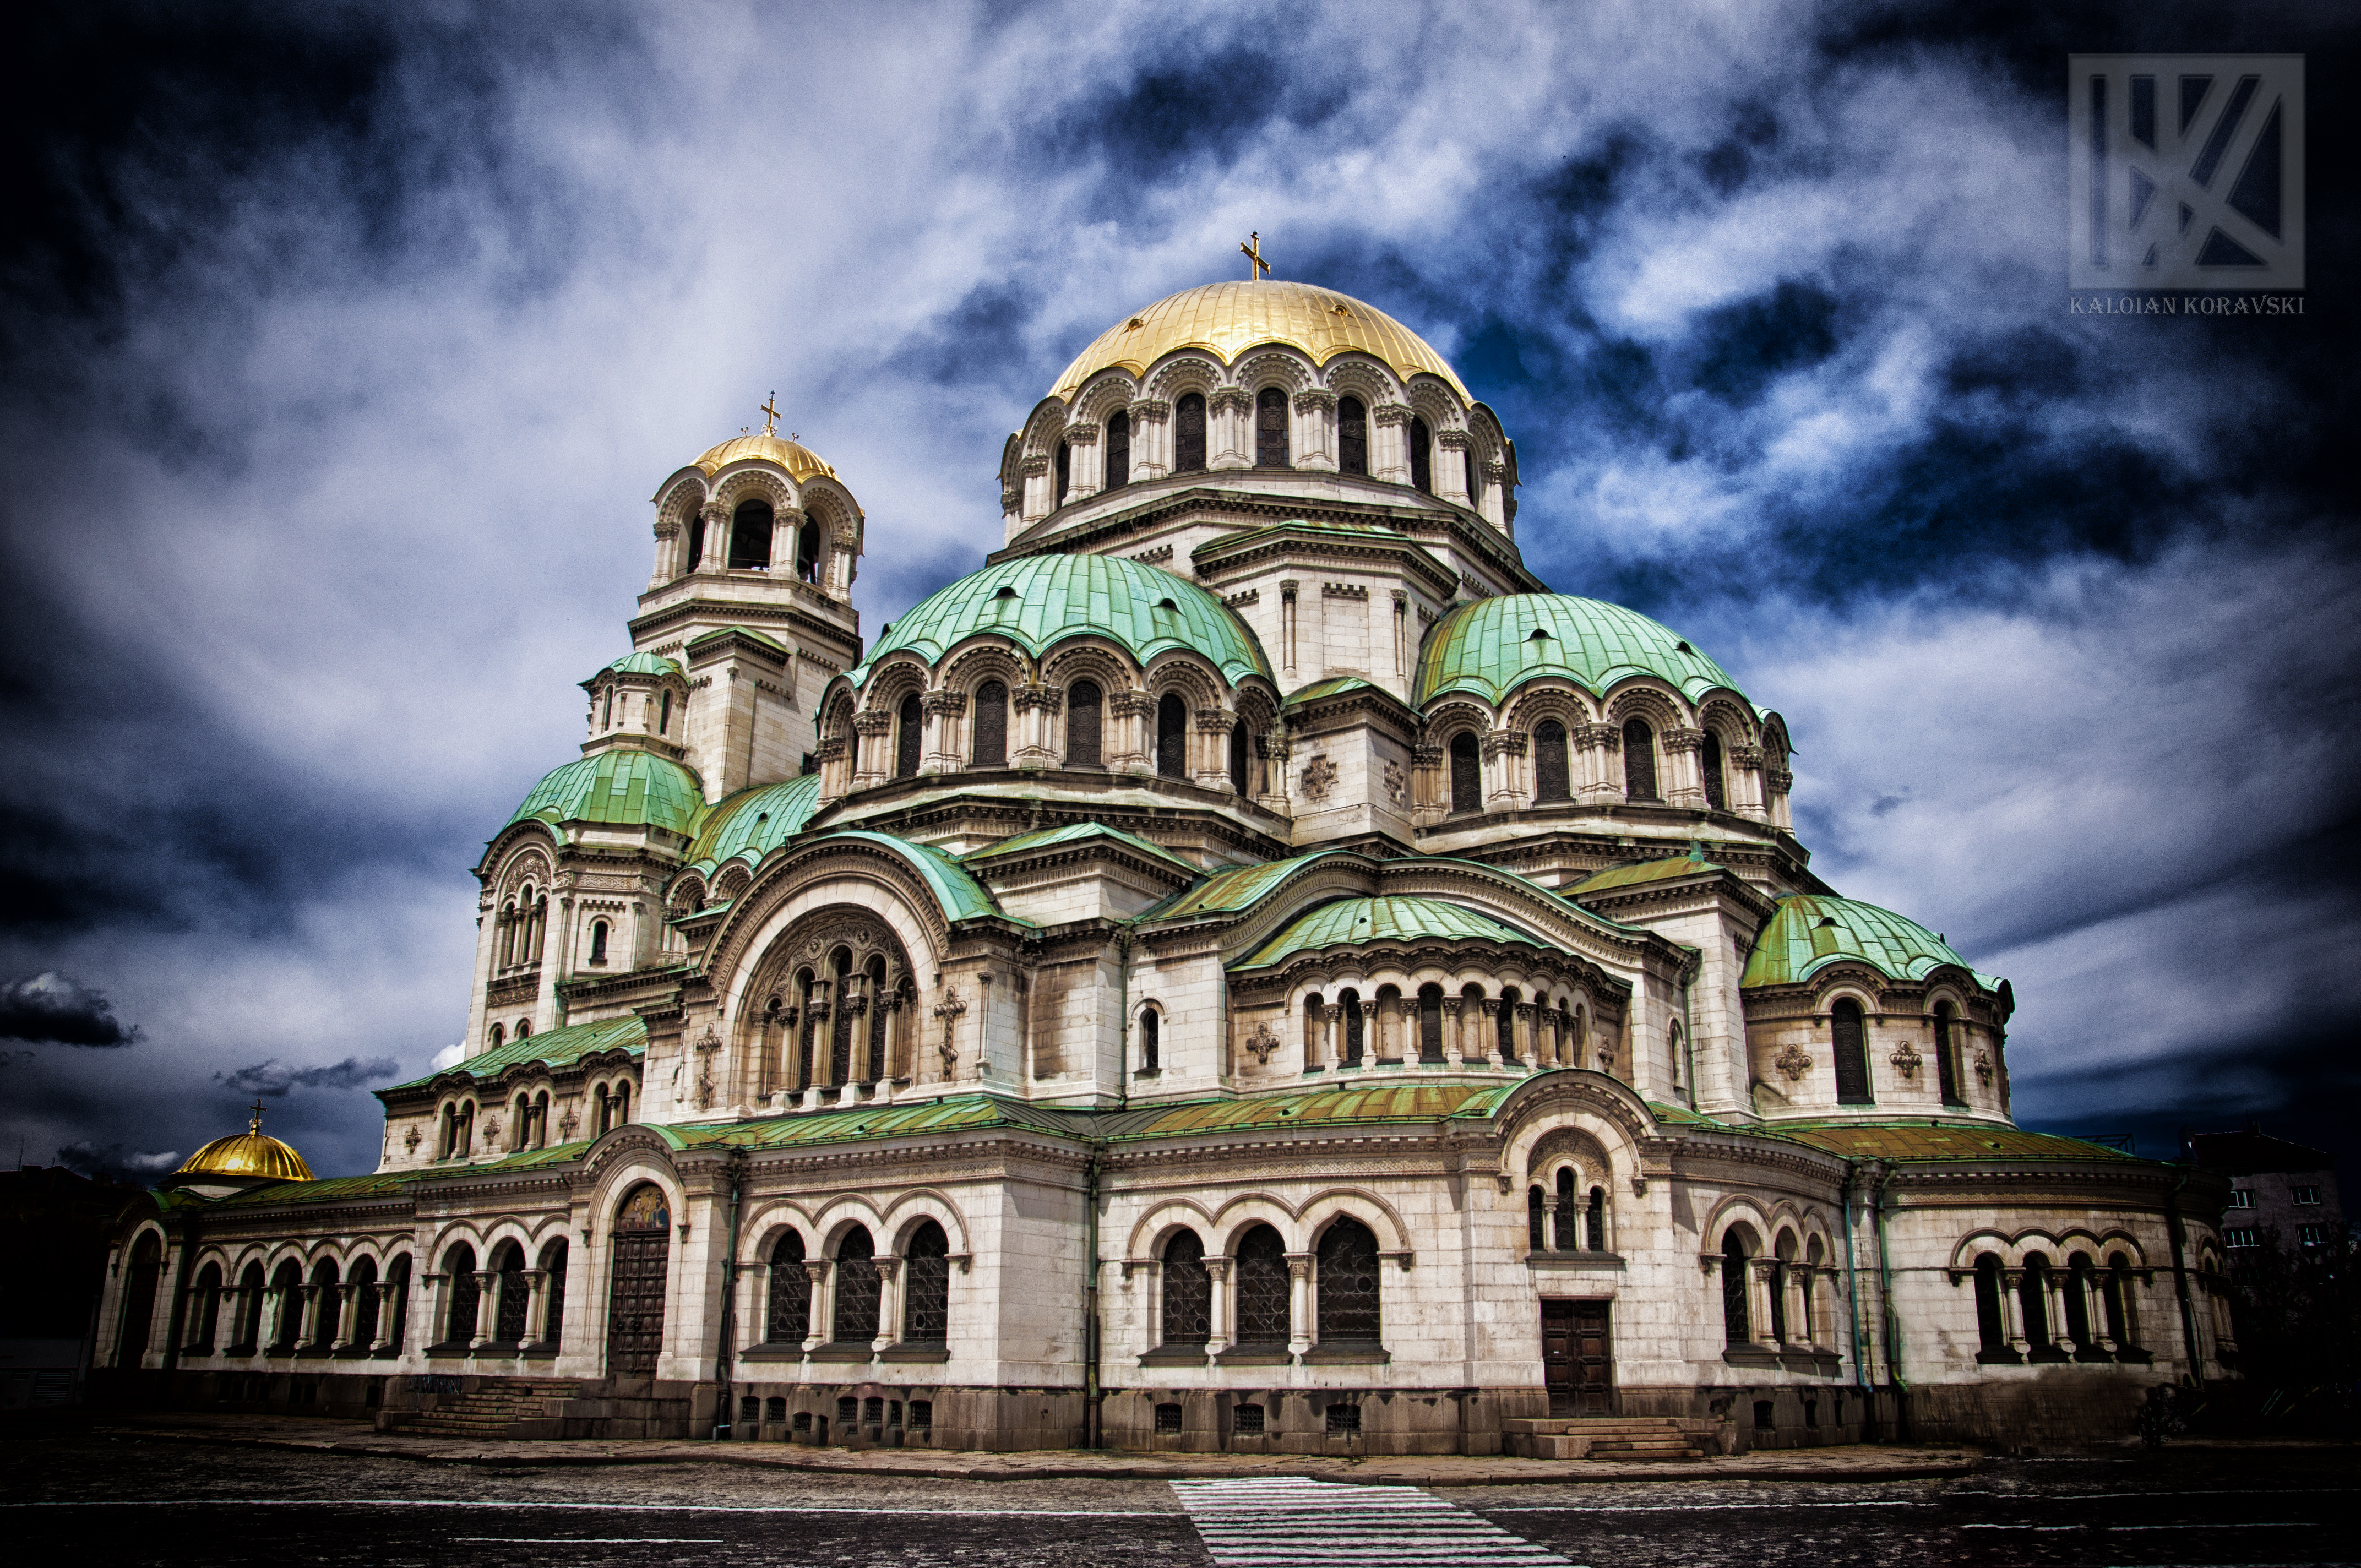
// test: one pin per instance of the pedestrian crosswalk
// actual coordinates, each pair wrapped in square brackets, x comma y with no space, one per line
[1301,1523]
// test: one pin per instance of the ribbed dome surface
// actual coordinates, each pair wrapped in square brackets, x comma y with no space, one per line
[1042,600]
[621,787]
[250,1153]
[797,459]
[1370,920]
[753,822]
[1812,931]
[1227,319]
[1489,648]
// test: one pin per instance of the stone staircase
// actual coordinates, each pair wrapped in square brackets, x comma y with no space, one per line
[494,1407]
[1614,1438]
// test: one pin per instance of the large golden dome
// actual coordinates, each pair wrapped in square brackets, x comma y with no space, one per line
[796,458]
[250,1153]
[1227,319]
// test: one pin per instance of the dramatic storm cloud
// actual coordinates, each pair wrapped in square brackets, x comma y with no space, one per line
[344,345]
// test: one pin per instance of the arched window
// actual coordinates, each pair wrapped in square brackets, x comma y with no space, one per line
[1735,1328]
[1262,1290]
[2077,1295]
[1270,429]
[908,731]
[622,1103]
[990,726]
[1779,1290]
[466,1295]
[248,1330]
[1991,1324]
[1171,736]
[876,1016]
[516,1295]
[750,537]
[663,716]
[608,722]
[1188,434]
[1639,760]
[1421,458]
[1569,1212]
[1065,471]
[839,1033]
[2033,1309]
[1475,477]
[288,1286]
[1238,753]
[856,1289]
[790,1306]
[1709,758]
[695,556]
[1188,1291]
[808,552]
[1151,1044]
[1466,774]
[397,1300]
[2122,1325]
[1347,1288]
[1947,1060]
[1352,437]
[510,934]
[598,941]
[1085,722]
[1851,1044]
[1505,1020]
[1679,1057]
[1536,1218]
[1594,1221]
[927,1298]
[1429,1023]
[203,1311]
[1552,780]
[553,1263]
[1349,1002]
[1118,451]
[498,1035]
[362,1285]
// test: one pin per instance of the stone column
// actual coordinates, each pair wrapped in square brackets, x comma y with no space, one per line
[1529,1033]
[1452,1008]
[716,555]
[1390,443]
[1217,1267]
[348,1312]
[1760,1287]
[1684,785]
[1086,470]
[435,1301]
[1488,1048]
[2012,1309]
[1503,752]
[1451,466]
[1288,588]
[386,1293]
[1151,438]
[786,523]
[1406,1035]
[1133,747]
[1040,490]
[1211,767]
[874,763]
[487,1286]
[1401,634]
[817,1330]
[536,1305]
[1745,774]
[1598,756]
[1777,781]
[1313,435]
[1036,707]
[1229,433]
[667,545]
[1315,1036]
[889,1301]
[843,561]
[1299,1302]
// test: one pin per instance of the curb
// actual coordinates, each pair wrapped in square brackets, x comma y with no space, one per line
[1364,1472]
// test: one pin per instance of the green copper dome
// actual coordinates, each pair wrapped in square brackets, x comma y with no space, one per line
[1355,921]
[753,822]
[1493,646]
[1811,932]
[618,787]
[1042,600]
[645,664]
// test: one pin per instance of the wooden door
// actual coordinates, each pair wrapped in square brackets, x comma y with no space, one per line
[1577,1358]
[635,1294]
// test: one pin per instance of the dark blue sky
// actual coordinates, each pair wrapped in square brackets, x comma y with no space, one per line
[345,343]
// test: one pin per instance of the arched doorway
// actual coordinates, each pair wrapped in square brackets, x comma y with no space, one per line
[139,1299]
[635,1292]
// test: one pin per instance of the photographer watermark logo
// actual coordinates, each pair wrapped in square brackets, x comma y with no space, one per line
[2185,171]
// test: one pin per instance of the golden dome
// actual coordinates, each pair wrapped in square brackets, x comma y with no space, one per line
[1227,319]
[250,1153]
[796,458]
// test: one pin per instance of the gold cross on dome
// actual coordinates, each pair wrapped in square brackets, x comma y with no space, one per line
[257,1109]
[771,415]
[1256,267]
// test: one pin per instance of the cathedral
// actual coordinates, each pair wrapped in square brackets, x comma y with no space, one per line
[1250,970]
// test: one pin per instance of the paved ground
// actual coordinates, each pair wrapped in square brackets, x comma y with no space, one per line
[102,1497]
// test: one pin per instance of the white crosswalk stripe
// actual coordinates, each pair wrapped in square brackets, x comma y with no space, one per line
[1303,1523]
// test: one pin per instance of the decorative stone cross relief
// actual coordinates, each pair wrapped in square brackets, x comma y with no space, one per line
[950,1010]
[1262,1042]
[565,1125]
[1984,1069]
[1394,782]
[411,1140]
[1793,1061]
[1319,777]
[1906,1059]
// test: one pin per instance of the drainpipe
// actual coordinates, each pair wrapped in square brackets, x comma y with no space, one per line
[1853,1297]
[1893,1319]
[1123,1021]
[1094,1423]
[2180,1282]
[723,1371]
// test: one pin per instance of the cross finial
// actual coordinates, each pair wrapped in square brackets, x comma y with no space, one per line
[1256,267]
[771,415]
[256,1124]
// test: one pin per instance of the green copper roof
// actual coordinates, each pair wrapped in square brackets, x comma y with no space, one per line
[1358,920]
[1242,887]
[746,632]
[645,664]
[1071,834]
[1489,648]
[622,786]
[1924,1141]
[1664,868]
[1042,600]
[1812,931]
[1337,687]
[925,1118]
[1324,1107]
[557,1048]
[955,889]
[753,822]
[331,1190]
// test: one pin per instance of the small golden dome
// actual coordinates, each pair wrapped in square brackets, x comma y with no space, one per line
[250,1153]
[1227,319]
[796,458]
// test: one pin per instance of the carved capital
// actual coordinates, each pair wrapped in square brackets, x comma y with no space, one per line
[1148,408]
[940,703]
[872,722]
[1034,465]
[1315,399]
[1682,739]
[1391,413]
[1288,587]
[1082,435]
[1451,440]
[1049,699]
[1235,399]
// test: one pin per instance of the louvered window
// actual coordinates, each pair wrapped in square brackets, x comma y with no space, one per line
[1429,1023]
[1349,1003]
[1851,1053]
[1238,754]
[1270,429]
[1734,1326]
[1946,1064]
[1188,434]
[992,725]
[1569,1212]
[1065,471]
[749,536]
